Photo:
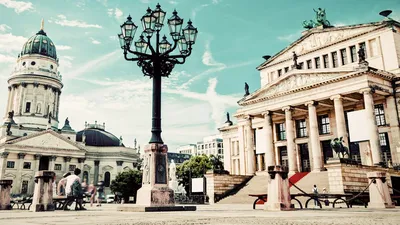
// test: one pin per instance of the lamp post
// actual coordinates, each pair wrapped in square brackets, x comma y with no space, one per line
[157,59]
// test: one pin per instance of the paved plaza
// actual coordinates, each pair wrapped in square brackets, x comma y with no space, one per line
[216,214]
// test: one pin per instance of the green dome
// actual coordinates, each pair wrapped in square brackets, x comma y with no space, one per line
[39,44]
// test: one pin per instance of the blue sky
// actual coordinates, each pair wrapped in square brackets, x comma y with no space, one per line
[100,85]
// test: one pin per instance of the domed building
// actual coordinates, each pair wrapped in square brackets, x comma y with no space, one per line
[30,138]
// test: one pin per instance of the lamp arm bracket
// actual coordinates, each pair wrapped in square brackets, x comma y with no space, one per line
[172,49]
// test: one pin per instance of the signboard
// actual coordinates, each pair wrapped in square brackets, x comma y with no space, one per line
[261,144]
[357,126]
[197,185]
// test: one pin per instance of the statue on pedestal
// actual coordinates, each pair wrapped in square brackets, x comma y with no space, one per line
[246,89]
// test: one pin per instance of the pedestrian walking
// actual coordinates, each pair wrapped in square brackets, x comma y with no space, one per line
[315,192]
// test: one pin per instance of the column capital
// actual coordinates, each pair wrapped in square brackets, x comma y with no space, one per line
[4,154]
[81,160]
[37,156]
[96,162]
[119,163]
[266,113]
[334,97]
[287,108]
[53,158]
[248,117]
[21,155]
[311,103]
[67,159]
[9,88]
[366,91]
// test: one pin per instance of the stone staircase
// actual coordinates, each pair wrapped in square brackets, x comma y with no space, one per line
[306,183]
[256,185]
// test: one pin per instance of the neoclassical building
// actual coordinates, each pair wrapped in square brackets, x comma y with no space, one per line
[30,138]
[308,92]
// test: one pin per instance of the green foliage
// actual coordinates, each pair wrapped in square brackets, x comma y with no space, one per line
[195,167]
[127,183]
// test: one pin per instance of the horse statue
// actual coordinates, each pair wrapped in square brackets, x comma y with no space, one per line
[339,148]
[321,18]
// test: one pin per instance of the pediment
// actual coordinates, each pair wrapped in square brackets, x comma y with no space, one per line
[292,82]
[107,168]
[316,39]
[46,139]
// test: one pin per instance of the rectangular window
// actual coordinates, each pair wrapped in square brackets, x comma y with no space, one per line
[301,128]
[324,124]
[317,63]
[27,165]
[380,115]
[72,167]
[57,166]
[362,46]
[326,61]
[382,139]
[279,73]
[286,69]
[373,45]
[10,164]
[335,62]
[301,65]
[28,107]
[353,54]
[281,131]
[309,64]
[24,187]
[343,54]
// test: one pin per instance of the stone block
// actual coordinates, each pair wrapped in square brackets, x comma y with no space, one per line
[43,194]
[5,189]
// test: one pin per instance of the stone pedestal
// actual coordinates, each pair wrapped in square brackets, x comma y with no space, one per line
[278,189]
[43,194]
[5,189]
[155,194]
[379,195]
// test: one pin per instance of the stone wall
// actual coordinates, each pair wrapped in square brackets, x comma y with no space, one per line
[221,185]
[353,178]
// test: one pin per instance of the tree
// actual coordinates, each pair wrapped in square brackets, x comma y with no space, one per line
[127,183]
[195,167]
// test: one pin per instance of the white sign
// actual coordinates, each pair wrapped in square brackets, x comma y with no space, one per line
[261,144]
[357,126]
[198,185]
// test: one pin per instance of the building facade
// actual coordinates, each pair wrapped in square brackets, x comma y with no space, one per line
[188,149]
[30,139]
[211,145]
[307,93]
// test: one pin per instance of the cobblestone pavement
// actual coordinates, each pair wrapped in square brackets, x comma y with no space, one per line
[217,214]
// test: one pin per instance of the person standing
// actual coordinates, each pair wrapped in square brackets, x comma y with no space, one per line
[92,192]
[100,192]
[315,192]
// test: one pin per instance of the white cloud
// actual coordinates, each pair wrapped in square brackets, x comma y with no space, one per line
[173,2]
[113,37]
[62,47]
[94,41]
[65,63]
[198,9]
[289,37]
[18,6]
[10,43]
[103,2]
[7,59]
[115,12]
[216,1]
[4,27]
[62,20]
[145,1]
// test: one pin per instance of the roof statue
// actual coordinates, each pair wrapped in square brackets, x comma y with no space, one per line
[246,89]
[320,20]
[49,121]
[67,121]
[8,131]
[42,25]
[135,142]
[11,114]
[295,64]
[228,120]
[66,126]
[361,55]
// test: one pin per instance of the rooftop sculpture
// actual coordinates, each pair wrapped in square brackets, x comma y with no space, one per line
[320,20]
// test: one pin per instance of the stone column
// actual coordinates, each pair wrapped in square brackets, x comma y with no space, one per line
[269,152]
[394,127]
[37,162]
[314,136]
[45,112]
[251,159]
[67,161]
[291,151]
[21,102]
[96,171]
[119,166]
[379,195]
[372,127]
[8,100]
[35,85]
[58,103]
[259,162]
[81,161]
[19,166]
[242,152]
[278,189]
[43,195]
[340,119]
[5,189]
[3,156]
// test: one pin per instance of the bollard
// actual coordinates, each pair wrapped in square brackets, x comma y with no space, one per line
[278,189]
[5,188]
[379,196]
[43,195]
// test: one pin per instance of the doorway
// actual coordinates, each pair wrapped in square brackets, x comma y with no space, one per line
[327,150]
[44,163]
[283,156]
[304,158]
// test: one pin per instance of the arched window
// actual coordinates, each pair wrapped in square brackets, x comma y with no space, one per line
[107,179]
[86,177]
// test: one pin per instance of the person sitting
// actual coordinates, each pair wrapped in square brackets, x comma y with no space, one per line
[69,182]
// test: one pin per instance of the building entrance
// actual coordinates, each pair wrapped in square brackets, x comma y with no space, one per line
[327,150]
[304,158]
[283,157]
[44,163]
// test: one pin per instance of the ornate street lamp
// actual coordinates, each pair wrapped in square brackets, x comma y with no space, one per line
[160,60]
